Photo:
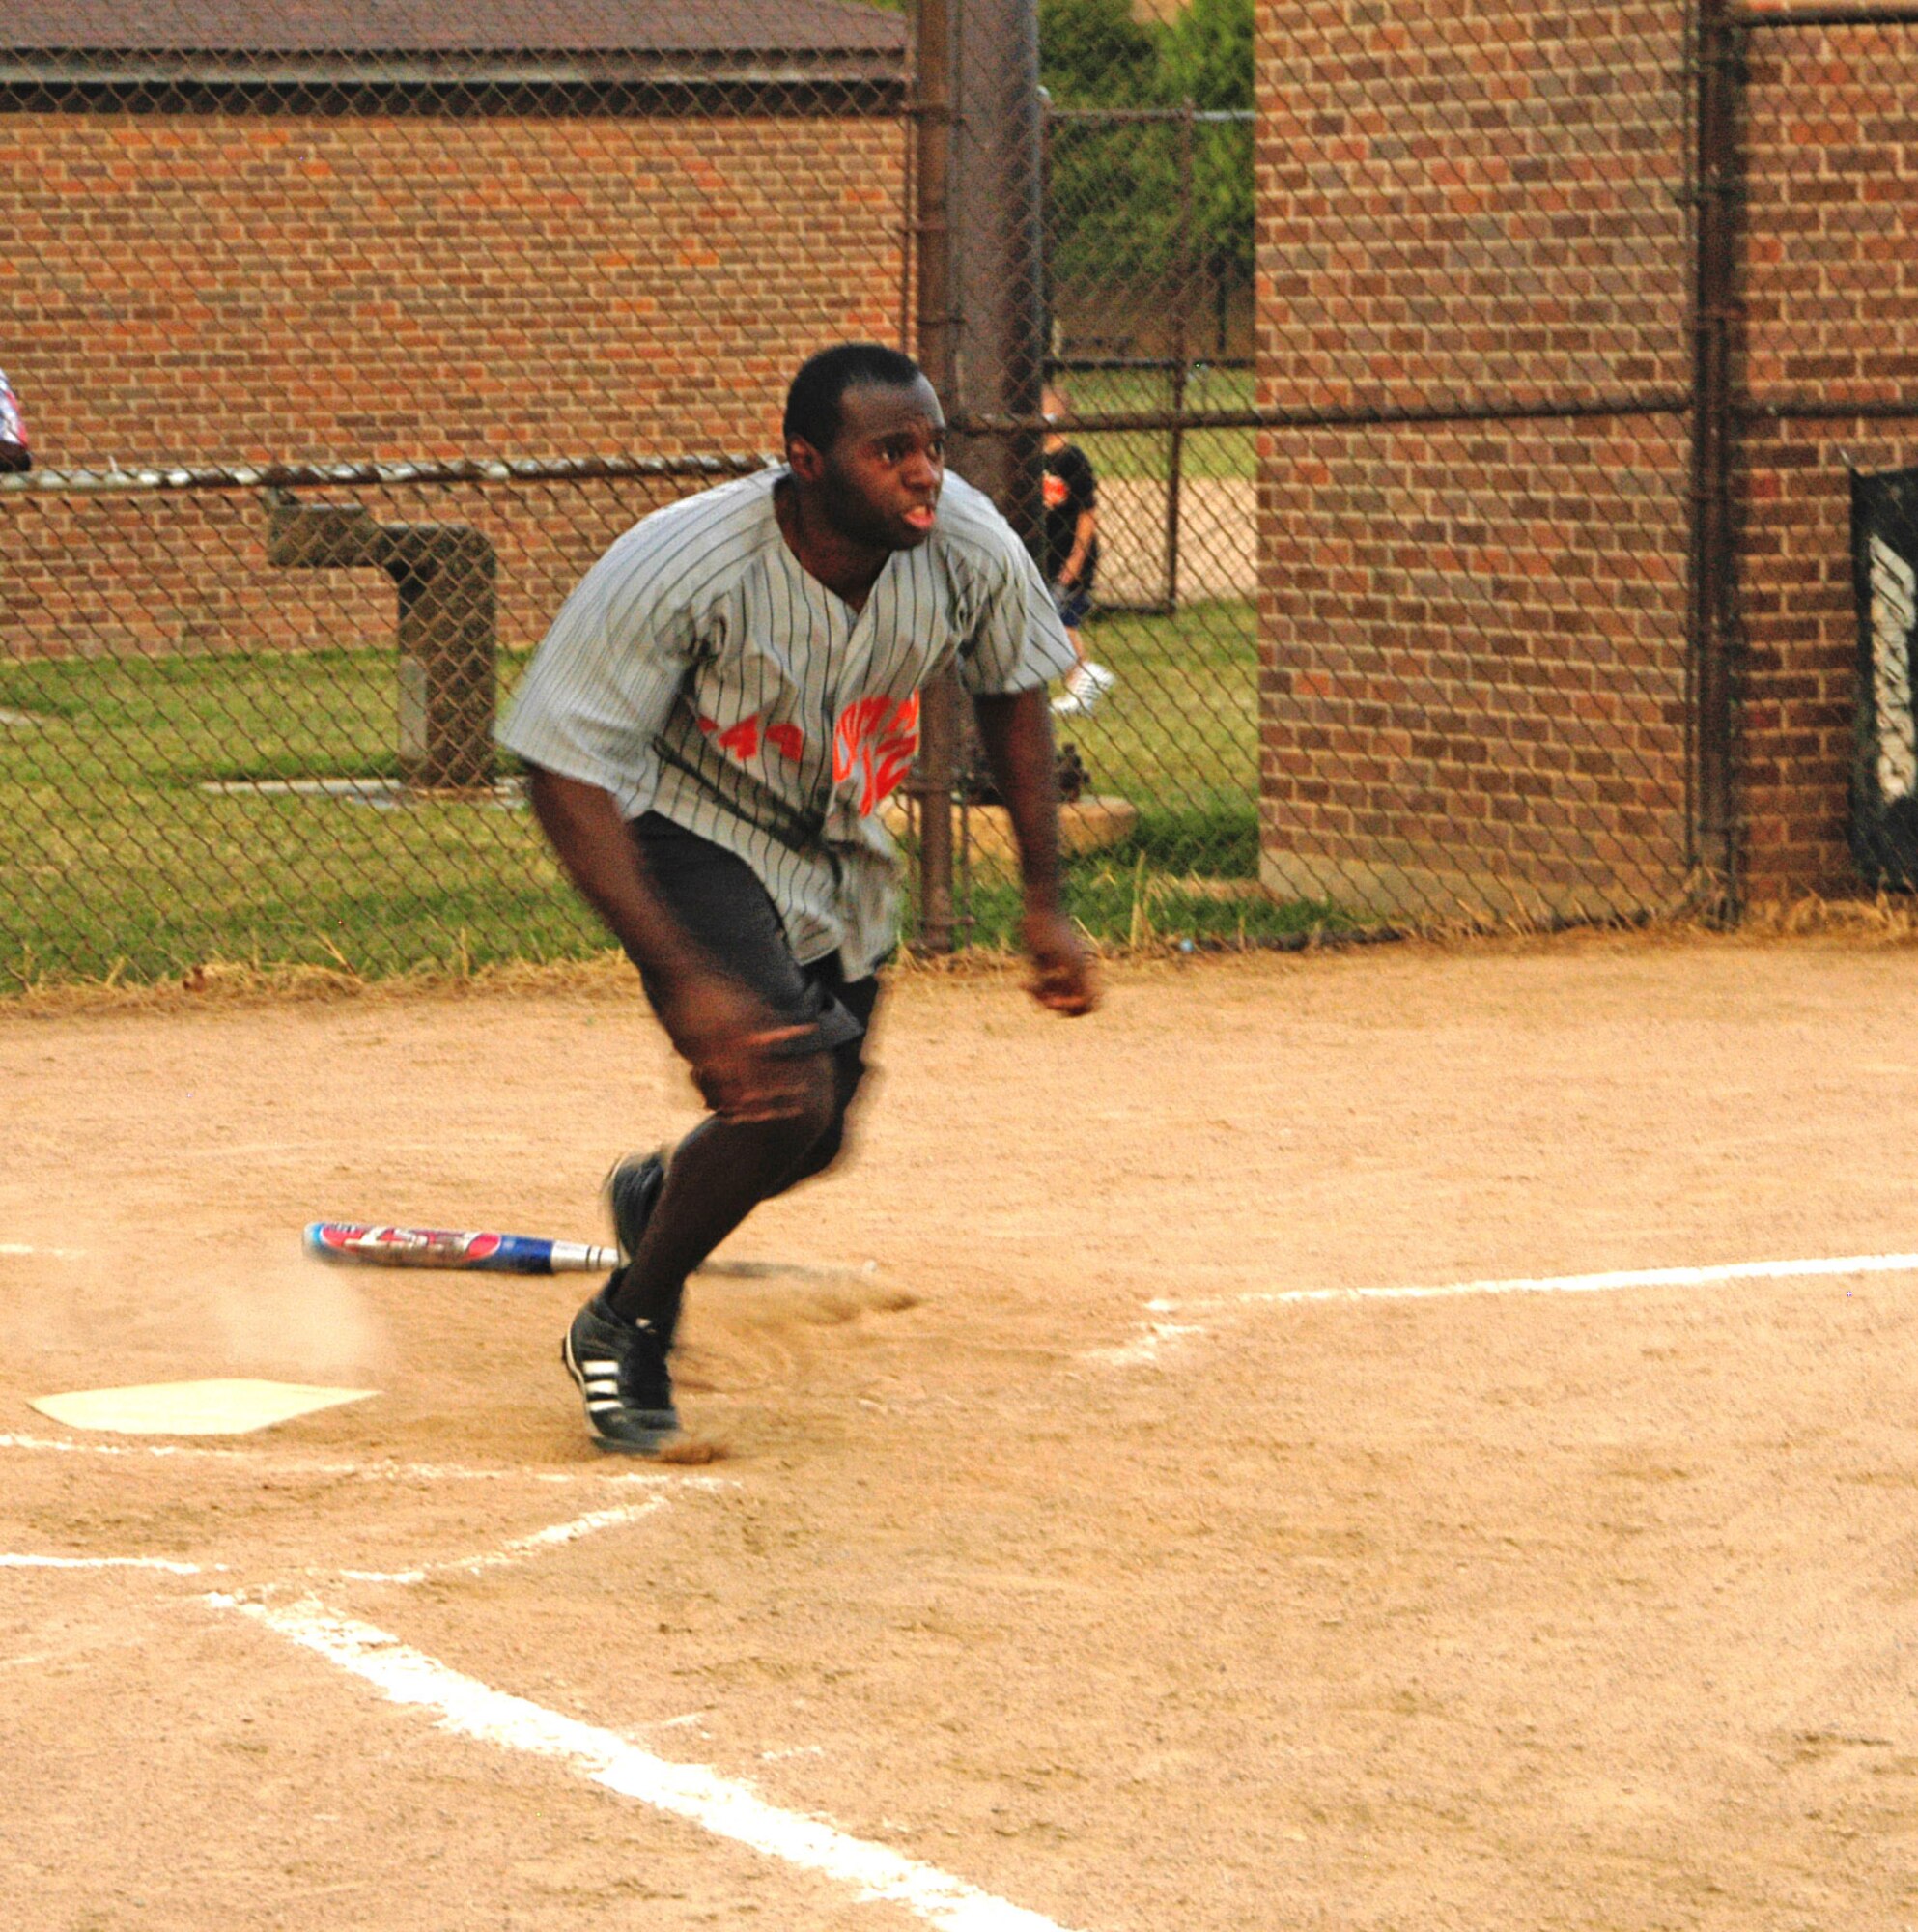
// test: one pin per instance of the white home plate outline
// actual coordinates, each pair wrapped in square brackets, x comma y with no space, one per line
[519,1549]
[222,1405]
[366,1472]
[722,1806]
[465,1707]
[1153,1337]
[167,1566]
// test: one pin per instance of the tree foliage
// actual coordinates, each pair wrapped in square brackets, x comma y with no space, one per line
[1207,60]
[1207,53]
[1093,53]
[1118,196]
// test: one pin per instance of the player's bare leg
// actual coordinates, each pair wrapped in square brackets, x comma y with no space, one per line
[718,1175]
[618,1345]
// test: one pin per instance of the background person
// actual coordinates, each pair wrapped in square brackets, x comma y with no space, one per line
[1072,555]
[13,451]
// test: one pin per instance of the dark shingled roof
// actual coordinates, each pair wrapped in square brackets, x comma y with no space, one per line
[561,39]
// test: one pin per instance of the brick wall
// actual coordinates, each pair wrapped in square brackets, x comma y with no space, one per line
[1471,636]
[219,284]
[1829,292]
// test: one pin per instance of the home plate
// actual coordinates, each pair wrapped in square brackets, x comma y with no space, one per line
[227,1407]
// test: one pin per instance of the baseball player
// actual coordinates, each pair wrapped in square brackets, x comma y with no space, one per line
[709,729]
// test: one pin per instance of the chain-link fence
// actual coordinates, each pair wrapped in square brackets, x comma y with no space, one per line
[1572,324]
[1477,362]
[501,278]
[1479,556]
[1402,620]
[247,714]
[314,310]
[1086,330]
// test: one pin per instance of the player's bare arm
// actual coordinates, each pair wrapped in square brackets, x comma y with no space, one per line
[1017,733]
[725,1036]
[1084,531]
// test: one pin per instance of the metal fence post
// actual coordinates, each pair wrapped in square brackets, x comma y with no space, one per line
[933,108]
[981,321]
[1181,352]
[999,251]
[1713,625]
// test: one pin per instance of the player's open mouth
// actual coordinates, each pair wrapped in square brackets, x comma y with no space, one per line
[922,516]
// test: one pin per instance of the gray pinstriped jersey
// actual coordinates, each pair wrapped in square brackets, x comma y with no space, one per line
[701,672]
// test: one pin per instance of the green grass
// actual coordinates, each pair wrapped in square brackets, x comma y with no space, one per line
[118,864]
[1145,455]
[1178,736]
[1179,733]
[1133,906]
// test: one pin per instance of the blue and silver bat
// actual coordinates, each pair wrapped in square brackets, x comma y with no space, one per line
[446,1248]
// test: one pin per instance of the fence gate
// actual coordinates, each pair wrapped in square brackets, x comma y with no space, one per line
[1085,279]
[1412,580]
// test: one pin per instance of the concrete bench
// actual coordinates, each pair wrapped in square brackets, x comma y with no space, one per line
[449,627]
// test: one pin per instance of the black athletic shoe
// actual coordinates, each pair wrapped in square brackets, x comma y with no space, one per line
[621,1369]
[632,1191]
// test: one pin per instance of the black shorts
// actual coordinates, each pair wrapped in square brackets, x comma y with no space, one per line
[725,910]
[1074,604]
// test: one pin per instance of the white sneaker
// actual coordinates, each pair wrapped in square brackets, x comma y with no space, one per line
[1086,684]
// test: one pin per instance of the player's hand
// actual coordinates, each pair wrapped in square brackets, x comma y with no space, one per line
[731,1042]
[1065,978]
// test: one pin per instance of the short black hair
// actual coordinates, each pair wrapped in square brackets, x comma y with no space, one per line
[812,404]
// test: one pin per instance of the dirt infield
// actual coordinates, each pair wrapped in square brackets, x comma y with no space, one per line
[1073,1578]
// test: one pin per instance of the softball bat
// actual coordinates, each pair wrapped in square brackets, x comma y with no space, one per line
[450,1248]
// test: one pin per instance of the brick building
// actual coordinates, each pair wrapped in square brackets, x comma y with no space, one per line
[1473,676]
[1479,690]
[291,229]
[534,226]
[1826,310]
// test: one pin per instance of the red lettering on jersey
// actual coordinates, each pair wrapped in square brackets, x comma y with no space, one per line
[878,740]
[742,740]
[856,724]
[1056,491]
